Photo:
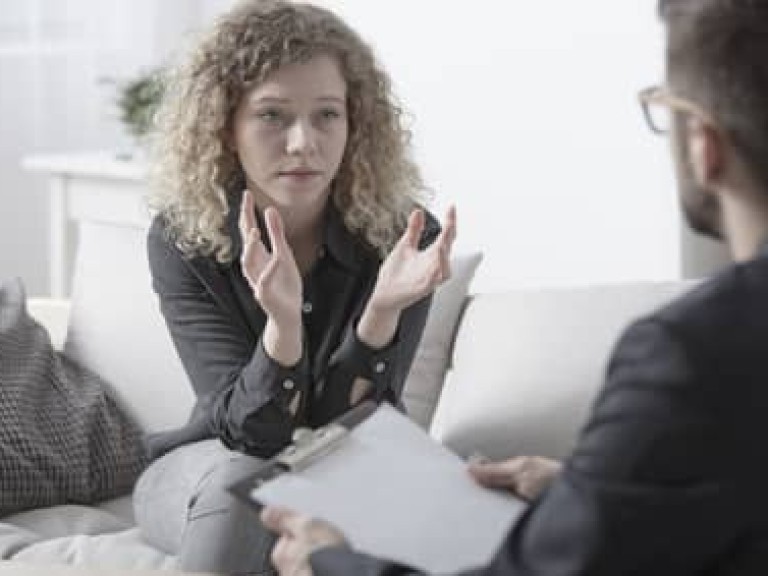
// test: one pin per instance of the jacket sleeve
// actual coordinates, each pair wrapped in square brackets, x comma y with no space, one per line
[648,490]
[387,368]
[244,392]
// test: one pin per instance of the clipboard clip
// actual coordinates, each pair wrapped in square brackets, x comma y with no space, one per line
[310,445]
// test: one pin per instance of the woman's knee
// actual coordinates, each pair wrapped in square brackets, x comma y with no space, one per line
[214,485]
[222,534]
[163,493]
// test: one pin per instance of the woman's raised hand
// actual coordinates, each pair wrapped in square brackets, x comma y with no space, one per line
[409,273]
[274,279]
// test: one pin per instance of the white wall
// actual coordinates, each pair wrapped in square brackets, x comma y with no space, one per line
[524,115]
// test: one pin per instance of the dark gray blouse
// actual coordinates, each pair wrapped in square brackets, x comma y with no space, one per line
[216,325]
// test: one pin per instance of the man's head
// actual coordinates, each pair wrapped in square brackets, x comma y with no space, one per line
[717,66]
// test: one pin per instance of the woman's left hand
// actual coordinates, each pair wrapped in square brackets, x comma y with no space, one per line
[406,276]
[409,274]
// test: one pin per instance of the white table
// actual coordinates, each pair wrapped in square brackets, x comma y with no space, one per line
[96,186]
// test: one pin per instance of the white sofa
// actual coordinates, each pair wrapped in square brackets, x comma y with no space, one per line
[522,367]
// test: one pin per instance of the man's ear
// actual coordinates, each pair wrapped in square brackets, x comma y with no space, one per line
[706,149]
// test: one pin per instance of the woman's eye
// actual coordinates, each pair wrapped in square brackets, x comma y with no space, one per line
[329,114]
[270,116]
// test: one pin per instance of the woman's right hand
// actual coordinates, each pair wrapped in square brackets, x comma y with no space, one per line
[275,281]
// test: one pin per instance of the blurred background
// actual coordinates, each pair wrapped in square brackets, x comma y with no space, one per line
[524,115]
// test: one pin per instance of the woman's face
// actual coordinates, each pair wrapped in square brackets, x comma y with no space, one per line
[290,132]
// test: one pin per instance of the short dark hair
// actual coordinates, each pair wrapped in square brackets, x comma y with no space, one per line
[717,56]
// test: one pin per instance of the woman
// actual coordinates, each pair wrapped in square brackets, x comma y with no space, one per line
[293,263]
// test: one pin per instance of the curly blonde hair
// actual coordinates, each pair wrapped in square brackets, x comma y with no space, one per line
[195,173]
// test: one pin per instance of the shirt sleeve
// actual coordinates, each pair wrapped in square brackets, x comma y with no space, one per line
[247,394]
[649,489]
[386,369]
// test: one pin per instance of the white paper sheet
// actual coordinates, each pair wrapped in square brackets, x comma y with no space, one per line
[398,494]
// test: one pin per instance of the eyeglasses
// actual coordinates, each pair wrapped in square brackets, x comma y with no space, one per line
[658,105]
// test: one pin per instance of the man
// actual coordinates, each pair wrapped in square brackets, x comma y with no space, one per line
[669,476]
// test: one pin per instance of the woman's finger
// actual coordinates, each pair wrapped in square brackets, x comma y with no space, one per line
[249,258]
[448,234]
[247,219]
[449,225]
[415,228]
[241,224]
[267,273]
[445,263]
[276,231]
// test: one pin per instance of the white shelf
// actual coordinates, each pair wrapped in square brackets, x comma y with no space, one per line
[87,186]
[103,164]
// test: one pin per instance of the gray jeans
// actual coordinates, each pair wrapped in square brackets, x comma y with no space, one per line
[182,507]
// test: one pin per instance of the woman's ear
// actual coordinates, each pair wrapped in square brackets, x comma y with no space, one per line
[707,152]
[228,140]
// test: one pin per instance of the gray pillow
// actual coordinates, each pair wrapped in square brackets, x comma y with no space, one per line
[62,439]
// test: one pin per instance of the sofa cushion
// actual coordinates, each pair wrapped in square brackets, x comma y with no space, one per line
[62,439]
[125,550]
[60,529]
[14,538]
[425,380]
[67,520]
[54,315]
[116,328]
[528,363]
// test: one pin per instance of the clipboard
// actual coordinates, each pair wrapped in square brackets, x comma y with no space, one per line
[393,490]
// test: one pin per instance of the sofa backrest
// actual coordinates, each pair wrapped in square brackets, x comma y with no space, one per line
[425,380]
[116,329]
[527,364]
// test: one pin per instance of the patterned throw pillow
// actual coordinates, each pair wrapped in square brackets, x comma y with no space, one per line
[62,439]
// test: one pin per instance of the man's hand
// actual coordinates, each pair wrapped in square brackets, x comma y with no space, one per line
[300,536]
[525,476]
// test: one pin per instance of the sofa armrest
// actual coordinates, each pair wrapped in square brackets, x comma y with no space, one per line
[53,314]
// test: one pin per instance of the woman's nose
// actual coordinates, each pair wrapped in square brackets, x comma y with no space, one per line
[301,138]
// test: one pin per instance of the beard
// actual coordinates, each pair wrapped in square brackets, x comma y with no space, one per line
[700,207]
[701,210]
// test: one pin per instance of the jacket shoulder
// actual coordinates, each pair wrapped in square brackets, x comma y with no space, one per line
[726,316]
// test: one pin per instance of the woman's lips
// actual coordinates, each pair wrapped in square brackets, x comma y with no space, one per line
[300,174]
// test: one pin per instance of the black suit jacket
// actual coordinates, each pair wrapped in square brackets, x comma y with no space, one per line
[243,396]
[670,474]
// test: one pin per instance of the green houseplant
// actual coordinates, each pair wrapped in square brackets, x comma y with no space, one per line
[138,100]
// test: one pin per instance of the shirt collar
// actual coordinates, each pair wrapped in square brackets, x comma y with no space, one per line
[344,246]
